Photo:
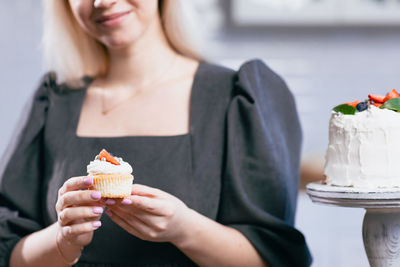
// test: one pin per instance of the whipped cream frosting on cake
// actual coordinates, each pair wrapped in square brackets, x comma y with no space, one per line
[364,149]
[103,166]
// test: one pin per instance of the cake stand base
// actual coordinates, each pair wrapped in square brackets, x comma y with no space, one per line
[381,235]
[381,225]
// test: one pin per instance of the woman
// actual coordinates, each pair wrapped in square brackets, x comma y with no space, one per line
[215,151]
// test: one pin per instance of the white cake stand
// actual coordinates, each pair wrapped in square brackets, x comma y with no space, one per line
[381,225]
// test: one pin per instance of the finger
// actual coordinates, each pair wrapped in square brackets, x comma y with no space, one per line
[144,190]
[109,201]
[72,231]
[140,204]
[147,204]
[76,183]
[79,198]
[151,220]
[68,215]
[150,205]
[137,229]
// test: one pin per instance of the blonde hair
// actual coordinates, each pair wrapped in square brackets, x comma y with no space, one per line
[72,54]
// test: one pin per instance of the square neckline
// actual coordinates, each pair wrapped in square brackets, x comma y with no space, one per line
[78,112]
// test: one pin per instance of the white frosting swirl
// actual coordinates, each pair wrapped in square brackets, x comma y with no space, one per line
[101,166]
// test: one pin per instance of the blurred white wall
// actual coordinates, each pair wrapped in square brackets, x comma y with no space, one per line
[323,68]
[20,60]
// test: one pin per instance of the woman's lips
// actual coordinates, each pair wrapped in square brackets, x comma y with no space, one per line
[112,20]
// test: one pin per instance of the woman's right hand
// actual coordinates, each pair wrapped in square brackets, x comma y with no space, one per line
[78,213]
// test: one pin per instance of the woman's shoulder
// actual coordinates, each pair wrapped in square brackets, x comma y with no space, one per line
[250,67]
[257,69]
[256,79]
[50,86]
[251,78]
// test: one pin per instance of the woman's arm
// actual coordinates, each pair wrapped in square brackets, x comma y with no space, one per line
[40,249]
[61,243]
[209,243]
[154,215]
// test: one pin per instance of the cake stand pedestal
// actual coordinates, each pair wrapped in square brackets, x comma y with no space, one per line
[381,225]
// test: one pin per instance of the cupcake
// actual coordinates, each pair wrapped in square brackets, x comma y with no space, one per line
[112,176]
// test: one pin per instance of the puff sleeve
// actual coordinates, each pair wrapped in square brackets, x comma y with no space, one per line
[260,181]
[21,171]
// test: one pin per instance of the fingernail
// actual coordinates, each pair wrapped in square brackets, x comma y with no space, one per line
[67,229]
[126,201]
[97,210]
[108,212]
[96,224]
[110,201]
[88,181]
[95,195]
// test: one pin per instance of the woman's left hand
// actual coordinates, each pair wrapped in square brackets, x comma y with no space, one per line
[151,214]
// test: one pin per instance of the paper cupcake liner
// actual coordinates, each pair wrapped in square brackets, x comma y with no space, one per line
[113,185]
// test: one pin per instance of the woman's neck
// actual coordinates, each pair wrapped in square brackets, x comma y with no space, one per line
[139,63]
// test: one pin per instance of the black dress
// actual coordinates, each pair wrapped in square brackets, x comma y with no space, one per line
[238,165]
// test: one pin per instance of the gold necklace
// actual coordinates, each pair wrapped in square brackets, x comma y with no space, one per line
[105,111]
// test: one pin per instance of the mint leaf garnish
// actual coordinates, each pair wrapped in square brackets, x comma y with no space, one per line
[345,109]
[392,104]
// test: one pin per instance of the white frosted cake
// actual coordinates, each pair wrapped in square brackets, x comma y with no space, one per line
[364,147]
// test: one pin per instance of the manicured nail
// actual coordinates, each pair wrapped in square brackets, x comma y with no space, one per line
[67,229]
[126,201]
[110,201]
[108,212]
[95,195]
[97,210]
[96,224]
[88,181]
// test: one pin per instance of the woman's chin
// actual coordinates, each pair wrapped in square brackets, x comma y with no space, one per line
[117,44]
[118,41]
